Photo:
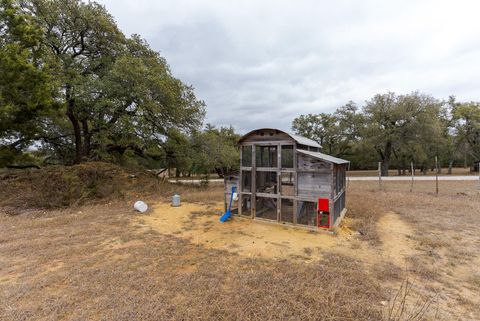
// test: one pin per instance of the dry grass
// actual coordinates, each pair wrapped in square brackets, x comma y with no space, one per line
[388,272]
[393,172]
[406,305]
[364,211]
[93,265]
[100,262]
[61,187]
[446,238]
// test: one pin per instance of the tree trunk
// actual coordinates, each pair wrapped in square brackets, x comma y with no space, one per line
[450,165]
[75,124]
[87,136]
[424,169]
[220,171]
[386,159]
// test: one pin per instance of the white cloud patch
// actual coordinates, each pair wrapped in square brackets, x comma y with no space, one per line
[262,63]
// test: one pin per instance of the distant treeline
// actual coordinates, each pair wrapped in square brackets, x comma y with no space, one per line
[397,130]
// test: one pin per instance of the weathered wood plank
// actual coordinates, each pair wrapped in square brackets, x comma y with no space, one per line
[306,162]
[267,135]
[268,143]
[313,179]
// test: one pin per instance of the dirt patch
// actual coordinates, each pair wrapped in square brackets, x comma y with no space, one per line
[199,224]
[396,238]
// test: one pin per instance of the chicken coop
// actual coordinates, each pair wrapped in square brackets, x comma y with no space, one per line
[285,179]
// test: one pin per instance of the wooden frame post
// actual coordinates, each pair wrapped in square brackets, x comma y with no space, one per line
[279,181]
[240,184]
[253,199]
[295,186]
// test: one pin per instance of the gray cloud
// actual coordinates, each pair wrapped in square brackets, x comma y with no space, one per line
[262,63]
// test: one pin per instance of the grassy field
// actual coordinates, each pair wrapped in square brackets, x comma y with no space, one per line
[459,171]
[102,261]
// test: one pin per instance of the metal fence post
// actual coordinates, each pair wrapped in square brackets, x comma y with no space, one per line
[380,175]
[436,174]
[413,174]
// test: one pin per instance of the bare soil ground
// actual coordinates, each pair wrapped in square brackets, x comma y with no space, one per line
[106,262]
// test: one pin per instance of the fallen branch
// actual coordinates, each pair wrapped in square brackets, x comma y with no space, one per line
[23,166]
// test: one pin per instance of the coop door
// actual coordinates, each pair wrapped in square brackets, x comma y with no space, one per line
[323,213]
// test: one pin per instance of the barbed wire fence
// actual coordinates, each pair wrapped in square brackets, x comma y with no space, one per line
[383,181]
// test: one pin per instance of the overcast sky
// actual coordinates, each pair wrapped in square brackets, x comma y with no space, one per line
[262,63]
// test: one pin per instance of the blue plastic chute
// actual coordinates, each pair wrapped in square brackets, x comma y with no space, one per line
[228,213]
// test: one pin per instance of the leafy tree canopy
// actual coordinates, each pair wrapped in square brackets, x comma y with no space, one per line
[397,129]
[92,92]
[27,88]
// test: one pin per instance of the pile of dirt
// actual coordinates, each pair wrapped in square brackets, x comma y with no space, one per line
[63,186]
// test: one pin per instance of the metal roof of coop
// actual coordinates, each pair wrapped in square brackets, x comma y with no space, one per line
[299,139]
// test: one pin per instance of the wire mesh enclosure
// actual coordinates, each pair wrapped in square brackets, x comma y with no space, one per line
[282,177]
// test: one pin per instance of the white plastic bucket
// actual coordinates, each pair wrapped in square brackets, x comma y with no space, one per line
[140,206]
[176,200]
